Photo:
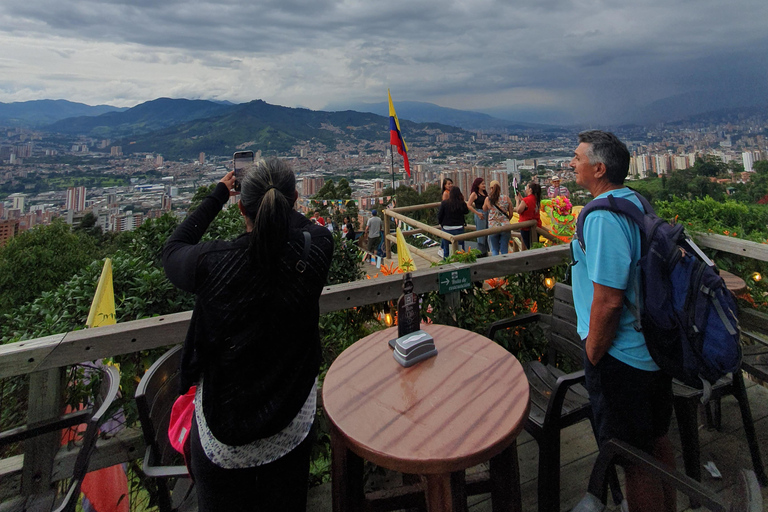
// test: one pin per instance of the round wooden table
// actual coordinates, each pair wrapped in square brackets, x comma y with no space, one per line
[458,409]
[733,282]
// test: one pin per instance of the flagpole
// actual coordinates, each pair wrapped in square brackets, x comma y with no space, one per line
[392,166]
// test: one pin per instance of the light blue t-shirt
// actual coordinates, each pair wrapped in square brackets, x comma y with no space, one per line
[613,249]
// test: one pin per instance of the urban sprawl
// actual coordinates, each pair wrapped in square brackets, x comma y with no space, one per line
[43,176]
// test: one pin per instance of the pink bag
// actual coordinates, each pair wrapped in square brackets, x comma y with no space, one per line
[181,423]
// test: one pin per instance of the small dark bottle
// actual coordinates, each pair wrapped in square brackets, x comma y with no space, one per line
[408,314]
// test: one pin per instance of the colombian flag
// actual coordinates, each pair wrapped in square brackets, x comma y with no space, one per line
[395,137]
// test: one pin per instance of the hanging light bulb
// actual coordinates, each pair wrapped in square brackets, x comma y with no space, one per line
[757,277]
[387,315]
[549,282]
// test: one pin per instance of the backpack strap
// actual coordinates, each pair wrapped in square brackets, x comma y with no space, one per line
[634,213]
[615,205]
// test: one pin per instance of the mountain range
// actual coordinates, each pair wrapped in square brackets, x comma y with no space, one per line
[421,112]
[181,128]
[43,112]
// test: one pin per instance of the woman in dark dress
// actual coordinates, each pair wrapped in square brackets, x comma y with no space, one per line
[450,216]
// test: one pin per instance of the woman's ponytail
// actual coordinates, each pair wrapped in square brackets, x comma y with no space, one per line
[268,194]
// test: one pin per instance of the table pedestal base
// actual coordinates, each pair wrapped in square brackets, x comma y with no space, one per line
[442,492]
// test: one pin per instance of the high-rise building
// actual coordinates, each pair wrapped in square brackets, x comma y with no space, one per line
[18,202]
[748,160]
[502,176]
[8,229]
[159,160]
[311,184]
[75,199]
[23,150]
[201,158]
[116,151]
[166,201]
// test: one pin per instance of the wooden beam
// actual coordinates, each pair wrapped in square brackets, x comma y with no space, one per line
[492,231]
[125,446]
[753,320]
[413,208]
[128,337]
[46,391]
[437,232]
[732,245]
[416,250]
[91,344]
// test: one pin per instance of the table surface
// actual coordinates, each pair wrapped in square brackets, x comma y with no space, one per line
[444,414]
[733,282]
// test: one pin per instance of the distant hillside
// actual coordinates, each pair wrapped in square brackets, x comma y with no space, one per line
[42,112]
[144,118]
[421,112]
[260,126]
[688,105]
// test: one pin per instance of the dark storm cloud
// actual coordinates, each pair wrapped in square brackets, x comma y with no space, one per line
[472,53]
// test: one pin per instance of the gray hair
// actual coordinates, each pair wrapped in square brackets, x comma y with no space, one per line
[607,149]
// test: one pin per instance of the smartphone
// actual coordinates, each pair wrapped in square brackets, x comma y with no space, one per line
[241,160]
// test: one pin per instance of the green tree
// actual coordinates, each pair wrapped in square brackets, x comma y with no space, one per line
[200,194]
[709,165]
[39,260]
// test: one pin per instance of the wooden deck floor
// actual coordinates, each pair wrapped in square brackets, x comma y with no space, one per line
[726,448]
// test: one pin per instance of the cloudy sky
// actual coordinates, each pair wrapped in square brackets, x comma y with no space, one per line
[561,59]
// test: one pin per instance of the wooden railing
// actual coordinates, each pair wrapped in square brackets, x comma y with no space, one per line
[45,359]
[436,232]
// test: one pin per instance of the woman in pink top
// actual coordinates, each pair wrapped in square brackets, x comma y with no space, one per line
[497,207]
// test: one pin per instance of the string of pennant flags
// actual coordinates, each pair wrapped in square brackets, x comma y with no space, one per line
[365,202]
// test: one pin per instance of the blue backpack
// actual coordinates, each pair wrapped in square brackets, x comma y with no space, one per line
[684,310]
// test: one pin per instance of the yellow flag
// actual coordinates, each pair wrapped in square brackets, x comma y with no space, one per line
[404,259]
[103,305]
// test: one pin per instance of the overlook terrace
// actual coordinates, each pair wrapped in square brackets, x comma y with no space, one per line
[45,358]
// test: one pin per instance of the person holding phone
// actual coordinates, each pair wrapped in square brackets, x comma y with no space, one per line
[528,208]
[253,344]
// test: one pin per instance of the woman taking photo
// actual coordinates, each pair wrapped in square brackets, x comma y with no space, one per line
[450,216]
[496,207]
[447,186]
[253,344]
[528,208]
[475,204]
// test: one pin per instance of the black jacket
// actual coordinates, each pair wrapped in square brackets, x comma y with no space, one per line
[254,333]
[447,216]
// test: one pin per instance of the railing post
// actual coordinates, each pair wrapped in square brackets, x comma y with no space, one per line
[45,399]
[387,243]
[453,301]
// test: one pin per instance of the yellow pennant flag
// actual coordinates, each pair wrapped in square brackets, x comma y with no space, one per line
[404,259]
[103,305]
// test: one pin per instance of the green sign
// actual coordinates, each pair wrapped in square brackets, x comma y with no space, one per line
[454,280]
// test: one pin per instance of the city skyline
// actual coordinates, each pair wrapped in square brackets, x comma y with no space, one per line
[554,61]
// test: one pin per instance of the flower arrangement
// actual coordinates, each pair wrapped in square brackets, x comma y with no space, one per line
[562,205]
[563,222]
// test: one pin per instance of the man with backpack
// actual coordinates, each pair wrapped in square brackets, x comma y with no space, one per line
[631,397]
